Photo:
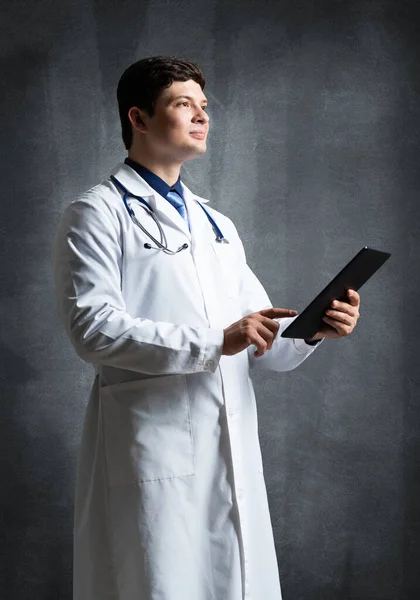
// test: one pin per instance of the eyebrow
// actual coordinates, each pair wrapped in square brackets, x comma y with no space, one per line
[188,98]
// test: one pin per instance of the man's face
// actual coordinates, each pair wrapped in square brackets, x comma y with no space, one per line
[178,129]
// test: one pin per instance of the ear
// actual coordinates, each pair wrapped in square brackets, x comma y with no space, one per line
[136,118]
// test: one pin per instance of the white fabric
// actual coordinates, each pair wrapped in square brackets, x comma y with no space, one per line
[170,499]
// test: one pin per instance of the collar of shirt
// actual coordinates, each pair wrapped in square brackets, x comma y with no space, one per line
[157,183]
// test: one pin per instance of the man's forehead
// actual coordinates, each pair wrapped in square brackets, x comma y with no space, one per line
[184,88]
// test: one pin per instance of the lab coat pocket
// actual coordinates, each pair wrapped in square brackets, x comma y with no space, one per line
[227,262]
[147,430]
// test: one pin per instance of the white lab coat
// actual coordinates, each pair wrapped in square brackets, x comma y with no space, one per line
[170,497]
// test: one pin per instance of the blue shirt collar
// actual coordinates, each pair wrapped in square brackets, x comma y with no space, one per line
[157,183]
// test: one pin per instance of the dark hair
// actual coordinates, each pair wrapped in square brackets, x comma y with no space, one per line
[142,83]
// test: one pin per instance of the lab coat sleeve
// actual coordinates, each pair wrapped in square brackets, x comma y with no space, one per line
[87,260]
[286,353]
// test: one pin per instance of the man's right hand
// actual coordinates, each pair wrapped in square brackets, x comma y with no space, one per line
[256,329]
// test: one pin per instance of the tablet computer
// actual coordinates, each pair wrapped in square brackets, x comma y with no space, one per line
[353,276]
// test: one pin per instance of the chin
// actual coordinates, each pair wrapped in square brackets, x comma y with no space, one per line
[196,151]
[202,149]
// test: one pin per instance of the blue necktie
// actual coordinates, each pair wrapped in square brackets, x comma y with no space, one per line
[175,199]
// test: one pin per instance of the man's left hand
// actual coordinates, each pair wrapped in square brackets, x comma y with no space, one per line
[340,318]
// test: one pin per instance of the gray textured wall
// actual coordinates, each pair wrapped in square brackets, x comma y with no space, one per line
[315,109]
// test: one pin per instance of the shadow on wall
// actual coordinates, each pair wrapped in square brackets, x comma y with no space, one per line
[36,489]
[35,517]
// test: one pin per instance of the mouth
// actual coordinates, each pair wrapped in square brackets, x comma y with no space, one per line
[199,135]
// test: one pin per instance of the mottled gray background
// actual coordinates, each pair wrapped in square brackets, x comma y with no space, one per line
[314,153]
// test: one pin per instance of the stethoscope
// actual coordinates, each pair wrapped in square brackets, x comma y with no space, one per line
[162,244]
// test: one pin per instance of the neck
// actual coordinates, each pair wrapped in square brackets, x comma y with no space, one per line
[168,171]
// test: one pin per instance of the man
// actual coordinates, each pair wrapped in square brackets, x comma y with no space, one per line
[170,500]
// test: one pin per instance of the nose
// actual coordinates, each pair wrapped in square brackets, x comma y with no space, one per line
[201,116]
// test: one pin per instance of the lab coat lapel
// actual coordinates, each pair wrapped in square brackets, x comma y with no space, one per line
[200,226]
[136,185]
[207,267]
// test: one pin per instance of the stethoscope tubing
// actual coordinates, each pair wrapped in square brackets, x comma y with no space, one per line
[162,244]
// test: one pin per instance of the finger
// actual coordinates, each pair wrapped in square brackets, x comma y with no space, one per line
[277,313]
[273,326]
[267,334]
[260,345]
[341,329]
[340,316]
[344,307]
[354,298]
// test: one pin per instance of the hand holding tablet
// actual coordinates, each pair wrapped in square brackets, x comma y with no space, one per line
[352,276]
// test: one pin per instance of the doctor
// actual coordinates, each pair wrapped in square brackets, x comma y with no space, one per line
[153,289]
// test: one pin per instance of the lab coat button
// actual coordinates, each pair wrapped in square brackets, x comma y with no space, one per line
[209,365]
